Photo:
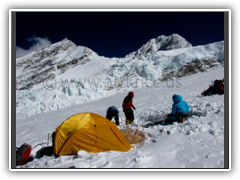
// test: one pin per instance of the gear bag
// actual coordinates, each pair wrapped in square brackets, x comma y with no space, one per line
[23,153]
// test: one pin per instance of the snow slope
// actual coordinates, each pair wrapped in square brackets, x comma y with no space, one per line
[196,143]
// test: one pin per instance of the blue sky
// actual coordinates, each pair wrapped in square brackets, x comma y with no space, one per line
[114,34]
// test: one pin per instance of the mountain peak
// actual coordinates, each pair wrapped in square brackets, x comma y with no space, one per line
[162,42]
[65,39]
[175,41]
[50,61]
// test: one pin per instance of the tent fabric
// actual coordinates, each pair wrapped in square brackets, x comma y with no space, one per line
[89,132]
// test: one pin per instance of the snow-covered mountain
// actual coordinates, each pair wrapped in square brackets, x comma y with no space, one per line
[64,74]
[162,42]
[50,62]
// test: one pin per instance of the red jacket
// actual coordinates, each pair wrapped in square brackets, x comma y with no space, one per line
[127,103]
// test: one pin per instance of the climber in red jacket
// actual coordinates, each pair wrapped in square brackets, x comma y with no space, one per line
[127,108]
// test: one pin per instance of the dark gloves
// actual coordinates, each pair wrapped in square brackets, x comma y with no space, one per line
[134,108]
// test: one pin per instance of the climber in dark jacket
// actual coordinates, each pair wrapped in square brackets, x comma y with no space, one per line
[179,107]
[216,88]
[113,112]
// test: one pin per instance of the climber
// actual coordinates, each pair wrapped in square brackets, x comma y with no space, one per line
[179,109]
[216,88]
[113,112]
[127,108]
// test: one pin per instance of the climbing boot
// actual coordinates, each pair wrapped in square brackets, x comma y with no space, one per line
[181,119]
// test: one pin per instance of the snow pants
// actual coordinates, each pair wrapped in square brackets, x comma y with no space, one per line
[176,118]
[129,114]
[109,117]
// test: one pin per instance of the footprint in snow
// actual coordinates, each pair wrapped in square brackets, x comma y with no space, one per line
[211,132]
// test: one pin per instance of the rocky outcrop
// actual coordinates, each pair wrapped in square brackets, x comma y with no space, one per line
[190,68]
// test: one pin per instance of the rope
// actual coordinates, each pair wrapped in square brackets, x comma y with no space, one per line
[39,144]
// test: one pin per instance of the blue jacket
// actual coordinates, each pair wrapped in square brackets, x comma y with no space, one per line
[112,111]
[179,106]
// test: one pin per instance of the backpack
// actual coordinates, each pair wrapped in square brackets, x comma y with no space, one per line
[221,87]
[219,84]
[23,153]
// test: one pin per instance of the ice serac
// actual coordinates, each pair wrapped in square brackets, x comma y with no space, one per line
[50,61]
[162,42]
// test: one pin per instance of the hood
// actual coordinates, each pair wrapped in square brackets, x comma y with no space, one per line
[130,94]
[176,98]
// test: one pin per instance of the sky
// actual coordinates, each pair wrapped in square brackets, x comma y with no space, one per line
[114,34]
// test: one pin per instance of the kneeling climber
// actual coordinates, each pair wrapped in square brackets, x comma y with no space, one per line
[179,109]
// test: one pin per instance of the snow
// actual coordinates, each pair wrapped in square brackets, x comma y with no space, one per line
[99,82]
[196,143]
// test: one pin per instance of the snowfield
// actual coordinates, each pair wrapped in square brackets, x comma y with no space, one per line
[196,143]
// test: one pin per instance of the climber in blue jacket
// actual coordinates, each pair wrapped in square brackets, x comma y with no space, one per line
[113,112]
[179,107]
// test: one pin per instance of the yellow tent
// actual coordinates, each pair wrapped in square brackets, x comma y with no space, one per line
[89,132]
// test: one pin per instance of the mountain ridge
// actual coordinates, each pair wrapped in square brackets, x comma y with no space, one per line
[62,56]
[49,62]
[57,77]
